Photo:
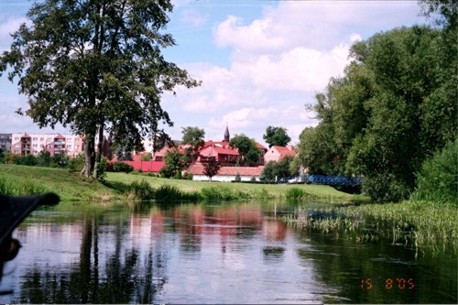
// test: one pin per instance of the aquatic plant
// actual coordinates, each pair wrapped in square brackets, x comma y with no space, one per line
[410,223]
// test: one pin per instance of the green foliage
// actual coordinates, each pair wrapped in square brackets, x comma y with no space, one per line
[75,164]
[60,160]
[276,136]
[175,162]
[395,106]
[90,64]
[194,137]
[295,193]
[147,157]
[250,154]
[44,158]
[277,170]
[101,169]
[438,177]
[22,188]
[140,190]
[122,167]
[214,193]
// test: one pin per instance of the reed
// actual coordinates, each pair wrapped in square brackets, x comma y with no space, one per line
[411,223]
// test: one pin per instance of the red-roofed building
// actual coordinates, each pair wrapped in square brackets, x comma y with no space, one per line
[225,156]
[276,153]
[226,173]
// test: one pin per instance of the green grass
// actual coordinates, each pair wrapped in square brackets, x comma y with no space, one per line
[73,187]
[238,190]
[416,224]
[69,186]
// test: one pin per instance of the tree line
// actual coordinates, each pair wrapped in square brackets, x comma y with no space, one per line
[392,110]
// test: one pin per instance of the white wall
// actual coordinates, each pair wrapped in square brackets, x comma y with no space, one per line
[222,178]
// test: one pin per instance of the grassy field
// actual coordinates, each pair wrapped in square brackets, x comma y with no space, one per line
[23,180]
[272,191]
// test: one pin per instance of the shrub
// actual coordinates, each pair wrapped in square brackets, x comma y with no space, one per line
[385,188]
[122,167]
[438,177]
[168,193]
[295,193]
[101,169]
[140,190]
[75,164]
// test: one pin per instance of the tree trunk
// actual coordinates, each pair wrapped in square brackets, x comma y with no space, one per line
[89,155]
[98,153]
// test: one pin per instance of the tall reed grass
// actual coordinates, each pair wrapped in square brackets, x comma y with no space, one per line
[24,188]
[411,223]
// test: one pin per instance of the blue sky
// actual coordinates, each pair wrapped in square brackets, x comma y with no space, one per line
[259,61]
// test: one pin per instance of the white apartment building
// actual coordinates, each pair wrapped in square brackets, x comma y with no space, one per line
[54,143]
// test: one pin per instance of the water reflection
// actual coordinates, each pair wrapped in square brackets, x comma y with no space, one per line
[233,253]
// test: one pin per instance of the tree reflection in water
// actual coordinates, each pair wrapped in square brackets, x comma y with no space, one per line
[121,281]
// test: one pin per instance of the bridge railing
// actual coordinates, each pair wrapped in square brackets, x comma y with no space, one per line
[333,180]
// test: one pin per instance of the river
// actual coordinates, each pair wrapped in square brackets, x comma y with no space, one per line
[211,253]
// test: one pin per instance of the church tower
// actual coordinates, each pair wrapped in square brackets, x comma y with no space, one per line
[226,135]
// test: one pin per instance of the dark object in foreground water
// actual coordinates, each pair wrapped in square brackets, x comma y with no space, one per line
[13,210]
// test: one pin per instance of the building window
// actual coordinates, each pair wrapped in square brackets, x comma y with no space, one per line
[42,139]
[69,146]
[34,145]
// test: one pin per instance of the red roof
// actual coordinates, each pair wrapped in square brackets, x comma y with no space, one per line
[213,151]
[198,169]
[285,151]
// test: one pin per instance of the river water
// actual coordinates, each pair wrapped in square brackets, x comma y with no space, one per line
[204,253]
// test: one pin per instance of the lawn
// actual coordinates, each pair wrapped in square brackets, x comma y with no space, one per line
[25,180]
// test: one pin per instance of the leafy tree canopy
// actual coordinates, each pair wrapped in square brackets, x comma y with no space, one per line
[276,136]
[95,66]
[194,137]
[394,107]
[249,153]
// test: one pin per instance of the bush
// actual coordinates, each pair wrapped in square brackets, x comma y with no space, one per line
[122,167]
[101,169]
[140,190]
[385,188]
[75,164]
[438,177]
[295,193]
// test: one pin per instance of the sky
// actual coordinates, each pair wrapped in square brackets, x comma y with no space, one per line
[260,61]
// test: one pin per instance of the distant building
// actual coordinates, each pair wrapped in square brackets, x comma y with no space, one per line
[55,143]
[277,153]
[5,141]
[227,173]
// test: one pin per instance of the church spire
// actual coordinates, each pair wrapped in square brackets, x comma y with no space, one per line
[226,135]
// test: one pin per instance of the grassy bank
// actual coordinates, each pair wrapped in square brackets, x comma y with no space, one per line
[28,180]
[416,224]
[23,180]
[235,190]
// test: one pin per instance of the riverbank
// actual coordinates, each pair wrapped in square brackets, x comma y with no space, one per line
[22,180]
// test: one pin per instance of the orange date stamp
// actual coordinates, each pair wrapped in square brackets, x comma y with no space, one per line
[389,283]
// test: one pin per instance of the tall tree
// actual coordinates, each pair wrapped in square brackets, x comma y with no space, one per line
[194,137]
[249,153]
[276,136]
[394,107]
[95,66]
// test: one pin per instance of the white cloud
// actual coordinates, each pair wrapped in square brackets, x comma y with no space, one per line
[193,18]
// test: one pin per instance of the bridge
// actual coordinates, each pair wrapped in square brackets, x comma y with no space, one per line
[333,180]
